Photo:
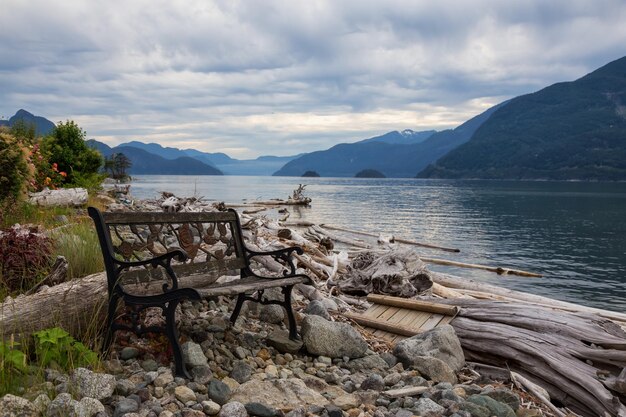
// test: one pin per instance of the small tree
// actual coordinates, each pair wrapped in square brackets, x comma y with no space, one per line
[67,148]
[117,165]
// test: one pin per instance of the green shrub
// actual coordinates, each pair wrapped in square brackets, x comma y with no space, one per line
[66,147]
[14,170]
[56,346]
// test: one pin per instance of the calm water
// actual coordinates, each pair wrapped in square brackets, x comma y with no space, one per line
[573,233]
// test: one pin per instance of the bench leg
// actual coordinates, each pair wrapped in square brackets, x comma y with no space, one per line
[172,335]
[108,332]
[240,299]
[293,332]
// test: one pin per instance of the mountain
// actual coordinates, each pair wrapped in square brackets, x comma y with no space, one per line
[263,165]
[406,137]
[146,163]
[43,126]
[384,154]
[569,130]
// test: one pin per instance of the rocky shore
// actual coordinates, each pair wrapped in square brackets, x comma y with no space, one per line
[253,369]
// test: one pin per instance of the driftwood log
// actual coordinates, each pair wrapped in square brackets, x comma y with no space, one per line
[61,197]
[568,354]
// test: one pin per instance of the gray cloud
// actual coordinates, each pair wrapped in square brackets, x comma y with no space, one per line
[282,77]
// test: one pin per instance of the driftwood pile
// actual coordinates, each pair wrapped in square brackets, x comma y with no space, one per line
[571,356]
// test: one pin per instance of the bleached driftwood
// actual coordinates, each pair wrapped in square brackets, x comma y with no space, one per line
[562,352]
[61,197]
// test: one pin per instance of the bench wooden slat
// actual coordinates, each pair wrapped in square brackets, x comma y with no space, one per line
[158,217]
[249,284]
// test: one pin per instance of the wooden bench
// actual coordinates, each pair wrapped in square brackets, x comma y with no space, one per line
[155,259]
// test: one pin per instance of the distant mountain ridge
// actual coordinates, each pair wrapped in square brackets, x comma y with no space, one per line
[147,163]
[386,153]
[43,126]
[569,130]
[263,165]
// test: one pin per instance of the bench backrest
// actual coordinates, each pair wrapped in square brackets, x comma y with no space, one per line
[212,240]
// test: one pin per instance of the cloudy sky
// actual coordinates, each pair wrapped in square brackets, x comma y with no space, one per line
[278,77]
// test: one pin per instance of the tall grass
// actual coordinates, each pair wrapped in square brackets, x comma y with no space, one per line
[78,243]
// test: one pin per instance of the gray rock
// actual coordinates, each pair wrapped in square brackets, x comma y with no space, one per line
[193,355]
[41,403]
[323,337]
[317,308]
[374,382]
[297,412]
[149,365]
[219,391]
[279,339]
[278,393]
[434,369]
[333,411]
[190,412]
[124,406]
[201,374]
[210,408]
[93,385]
[14,406]
[89,407]
[403,412]
[124,387]
[426,405]
[505,396]
[440,342]
[272,313]
[164,379]
[261,410]
[448,394]
[129,352]
[184,394]
[496,408]
[62,406]
[233,409]
[367,363]
[475,410]
[241,372]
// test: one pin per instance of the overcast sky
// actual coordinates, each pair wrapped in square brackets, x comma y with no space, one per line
[254,78]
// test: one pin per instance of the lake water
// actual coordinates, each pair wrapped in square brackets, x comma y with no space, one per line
[574,233]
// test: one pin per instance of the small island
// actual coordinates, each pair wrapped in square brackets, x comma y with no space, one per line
[369,173]
[310,174]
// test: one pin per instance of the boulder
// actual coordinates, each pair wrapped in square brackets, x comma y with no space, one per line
[440,342]
[93,385]
[336,340]
[279,393]
[14,406]
[434,369]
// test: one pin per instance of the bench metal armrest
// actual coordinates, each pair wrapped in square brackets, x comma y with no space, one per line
[164,261]
[161,260]
[283,256]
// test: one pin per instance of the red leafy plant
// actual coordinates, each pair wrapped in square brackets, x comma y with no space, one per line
[25,257]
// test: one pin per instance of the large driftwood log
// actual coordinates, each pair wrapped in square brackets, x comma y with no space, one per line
[473,286]
[62,197]
[563,352]
[77,306]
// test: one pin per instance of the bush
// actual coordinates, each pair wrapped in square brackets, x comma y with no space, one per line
[79,244]
[14,171]
[66,147]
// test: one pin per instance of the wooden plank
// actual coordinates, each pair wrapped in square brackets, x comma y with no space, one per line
[413,304]
[380,325]
[432,322]
[375,310]
[415,319]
